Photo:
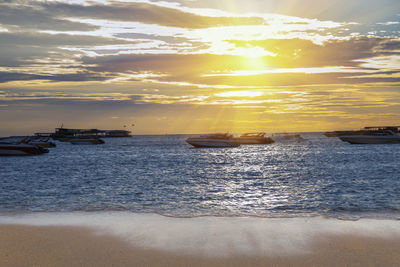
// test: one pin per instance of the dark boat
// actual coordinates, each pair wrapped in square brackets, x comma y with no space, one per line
[65,134]
[10,149]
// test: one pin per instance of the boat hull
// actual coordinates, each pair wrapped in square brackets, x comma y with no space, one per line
[253,141]
[216,143]
[21,150]
[365,139]
[86,142]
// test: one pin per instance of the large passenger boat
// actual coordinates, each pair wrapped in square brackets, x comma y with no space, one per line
[213,140]
[66,134]
[375,135]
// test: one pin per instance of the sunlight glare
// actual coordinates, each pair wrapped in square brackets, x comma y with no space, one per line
[239,94]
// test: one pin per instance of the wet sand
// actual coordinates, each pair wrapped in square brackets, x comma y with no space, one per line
[73,246]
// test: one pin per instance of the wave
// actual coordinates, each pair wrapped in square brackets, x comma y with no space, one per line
[213,236]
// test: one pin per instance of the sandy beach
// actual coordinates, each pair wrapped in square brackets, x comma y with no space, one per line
[78,246]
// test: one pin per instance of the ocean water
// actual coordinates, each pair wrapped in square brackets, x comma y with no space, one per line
[157,192]
[164,175]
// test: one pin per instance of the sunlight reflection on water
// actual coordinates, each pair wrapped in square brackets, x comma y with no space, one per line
[165,175]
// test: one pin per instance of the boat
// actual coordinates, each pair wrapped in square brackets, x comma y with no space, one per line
[375,135]
[86,141]
[253,138]
[65,134]
[213,140]
[13,149]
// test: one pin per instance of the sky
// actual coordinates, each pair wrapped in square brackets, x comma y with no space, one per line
[187,66]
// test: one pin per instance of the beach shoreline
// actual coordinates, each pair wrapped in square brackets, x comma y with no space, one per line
[22,245]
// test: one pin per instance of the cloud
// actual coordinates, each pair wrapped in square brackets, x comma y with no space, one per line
[26,55]
[146,13]
[74,77]
[156,58]
[388,23]
[305,53]
[27,17]
[56,40]
[329,63]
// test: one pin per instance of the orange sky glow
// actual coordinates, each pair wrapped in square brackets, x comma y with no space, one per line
[199,66]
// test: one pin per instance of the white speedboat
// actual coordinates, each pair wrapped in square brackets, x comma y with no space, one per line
[213,140]
[253,138]
[10,149]
[374,135]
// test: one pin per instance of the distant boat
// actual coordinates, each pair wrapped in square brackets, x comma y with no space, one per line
[86,141]
[279,137]
[64,134]
[213,140]
[10,149]
[375,135]
[253,138]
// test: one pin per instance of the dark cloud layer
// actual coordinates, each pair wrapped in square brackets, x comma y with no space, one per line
[146,13]
[31,17]
[74,77]
[55,40]
[21,48]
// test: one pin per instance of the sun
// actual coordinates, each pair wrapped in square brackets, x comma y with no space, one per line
[254,58]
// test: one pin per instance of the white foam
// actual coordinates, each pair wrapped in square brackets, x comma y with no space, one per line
[212,236]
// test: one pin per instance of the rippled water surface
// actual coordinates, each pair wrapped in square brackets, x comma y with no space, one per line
[163,174]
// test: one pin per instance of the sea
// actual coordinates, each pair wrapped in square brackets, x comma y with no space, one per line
[160,192]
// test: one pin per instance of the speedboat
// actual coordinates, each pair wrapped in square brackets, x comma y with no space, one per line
[374,135]
[253,138]
[213,140]
[12,149]
[30,140]
[86,141]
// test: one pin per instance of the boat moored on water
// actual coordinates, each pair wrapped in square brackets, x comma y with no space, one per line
[12,149]
[65,134]
[375,135]
[253,138]
[213,140]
